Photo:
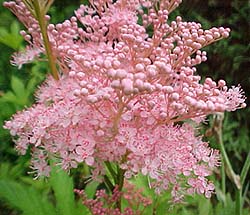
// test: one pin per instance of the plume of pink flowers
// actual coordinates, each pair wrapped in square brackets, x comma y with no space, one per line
[128,93]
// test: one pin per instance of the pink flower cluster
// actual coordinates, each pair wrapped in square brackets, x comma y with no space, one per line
[128,93]
[103,204]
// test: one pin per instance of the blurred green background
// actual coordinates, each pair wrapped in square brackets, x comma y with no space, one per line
[228,59]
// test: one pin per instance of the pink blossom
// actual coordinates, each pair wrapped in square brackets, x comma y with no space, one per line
[122,93]
[26,56]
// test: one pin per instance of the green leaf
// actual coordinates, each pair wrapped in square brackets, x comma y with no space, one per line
[12,39]
[32,84]
[162,208]
[62,186]
[90,189]
[4,170]
[25,198]
[22,95]
[220,195]
[18,87]
[204,206]
[142,181]
[9,171]
[9,97]
[81,209]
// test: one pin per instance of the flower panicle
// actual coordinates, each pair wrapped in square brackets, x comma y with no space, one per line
[125,95]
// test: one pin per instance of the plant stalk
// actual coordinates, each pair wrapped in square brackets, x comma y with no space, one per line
[226,165]
[239,199]
[217,128]
[120,179]
[40,15]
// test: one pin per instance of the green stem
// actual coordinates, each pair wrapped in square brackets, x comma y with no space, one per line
[244,171]
[223,178]
[112,171]
[118,178]
[238,180]
[108,183]
[238,205]
[40,15]
[244,194]
[227,165]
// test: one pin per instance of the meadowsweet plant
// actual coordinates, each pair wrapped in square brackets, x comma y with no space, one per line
[124,96]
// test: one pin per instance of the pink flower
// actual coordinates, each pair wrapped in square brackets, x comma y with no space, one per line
[26,56]
[125,95]
[201,186]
